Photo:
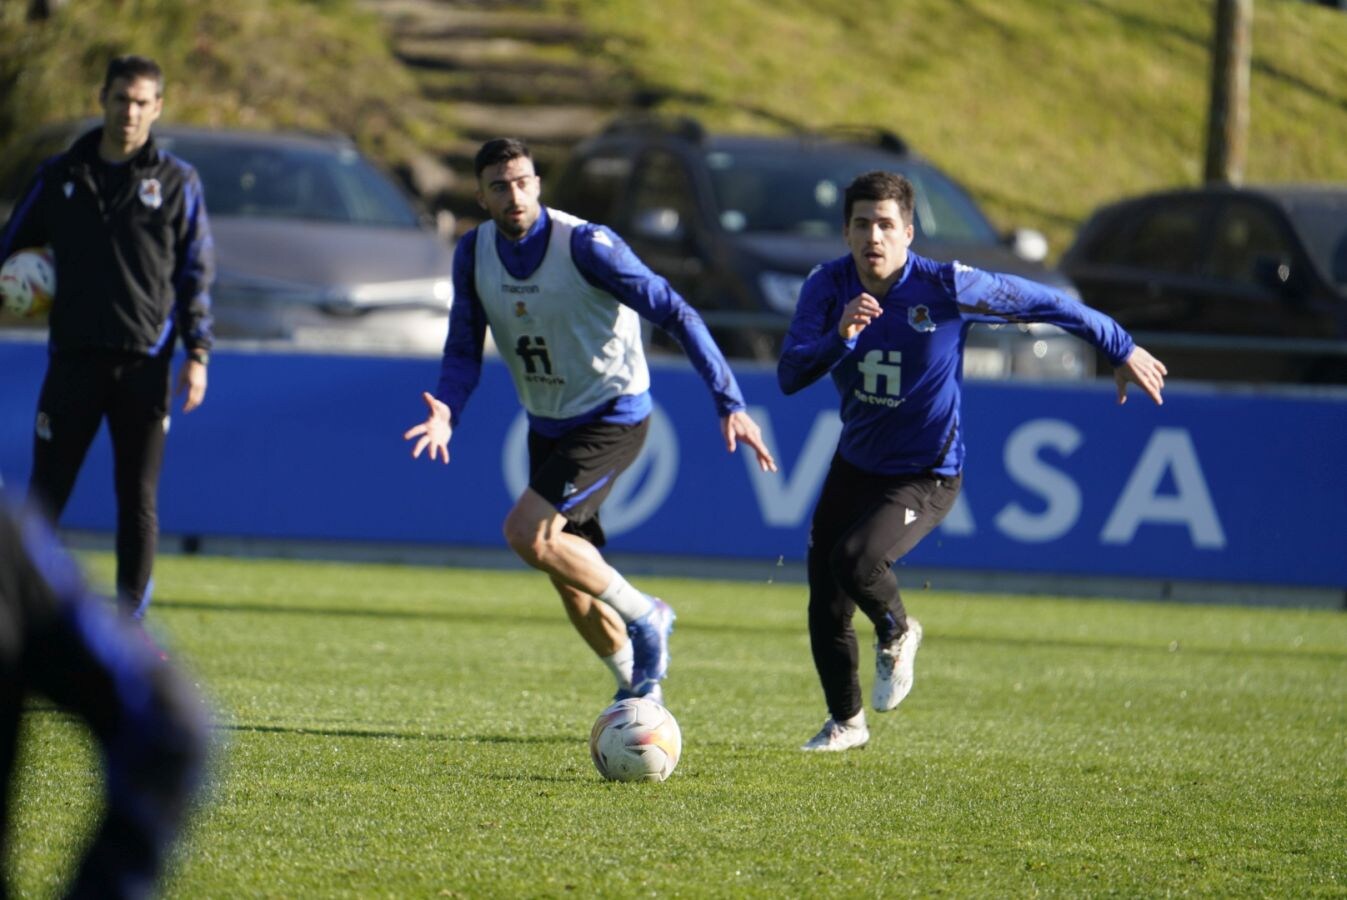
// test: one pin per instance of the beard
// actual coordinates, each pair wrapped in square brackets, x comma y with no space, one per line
[513,228]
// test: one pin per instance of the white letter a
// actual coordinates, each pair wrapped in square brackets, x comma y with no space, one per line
[1169,450]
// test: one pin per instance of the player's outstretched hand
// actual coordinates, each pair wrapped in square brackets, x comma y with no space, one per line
[739,426]
[434,432]
[1143,370]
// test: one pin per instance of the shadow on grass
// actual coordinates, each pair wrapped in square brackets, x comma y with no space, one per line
[44,708]
[429,737]
[753,630]
[1165,649]
[550,614]
[356,612]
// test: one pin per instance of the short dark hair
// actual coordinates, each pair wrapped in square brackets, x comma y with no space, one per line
[132,67]
[497,151]
[881,186]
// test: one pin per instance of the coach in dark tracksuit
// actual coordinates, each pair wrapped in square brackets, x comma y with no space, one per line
[134,261]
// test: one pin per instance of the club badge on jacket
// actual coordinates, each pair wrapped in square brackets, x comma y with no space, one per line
[150,193]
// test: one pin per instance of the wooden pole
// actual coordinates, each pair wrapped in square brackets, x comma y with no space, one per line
[1228,120]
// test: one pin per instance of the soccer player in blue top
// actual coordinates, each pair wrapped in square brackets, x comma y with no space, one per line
[889,326]
[564,299]
[60,641]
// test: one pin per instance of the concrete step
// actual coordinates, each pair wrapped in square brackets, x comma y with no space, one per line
[430,19]
[543,124]
[498,68]
[486,55]
[508,88]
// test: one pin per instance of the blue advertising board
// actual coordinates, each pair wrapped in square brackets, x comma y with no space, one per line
[1215,485]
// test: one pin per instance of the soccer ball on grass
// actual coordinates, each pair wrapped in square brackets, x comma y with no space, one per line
[28,282]
[635,740]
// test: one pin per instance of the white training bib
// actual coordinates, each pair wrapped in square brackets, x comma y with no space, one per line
[569,345]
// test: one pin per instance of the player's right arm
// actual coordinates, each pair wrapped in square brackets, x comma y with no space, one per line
[814,344]
[461,364]
[24,229]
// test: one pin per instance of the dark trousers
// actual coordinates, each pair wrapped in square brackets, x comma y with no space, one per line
[863,524]
[132,392]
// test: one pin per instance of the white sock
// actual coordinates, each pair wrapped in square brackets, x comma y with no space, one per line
[620,665]
[630,603]
[856,721]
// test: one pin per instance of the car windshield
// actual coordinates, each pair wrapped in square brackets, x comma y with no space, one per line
[1323,227]
[774,190]
[280,182]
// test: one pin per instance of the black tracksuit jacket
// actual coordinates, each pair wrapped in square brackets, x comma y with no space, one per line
[132,274]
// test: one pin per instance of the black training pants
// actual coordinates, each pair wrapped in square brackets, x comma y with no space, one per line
[863,524]
[132,392]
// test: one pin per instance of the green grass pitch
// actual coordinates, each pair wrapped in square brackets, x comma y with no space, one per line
[390,731]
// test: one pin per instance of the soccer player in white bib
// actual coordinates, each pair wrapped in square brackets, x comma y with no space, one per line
[564,298]
[888,326]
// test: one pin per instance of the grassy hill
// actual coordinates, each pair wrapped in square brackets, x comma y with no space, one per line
[306,64]
[1043,109]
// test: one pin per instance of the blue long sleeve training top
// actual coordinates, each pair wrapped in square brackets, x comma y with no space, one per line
[901,379]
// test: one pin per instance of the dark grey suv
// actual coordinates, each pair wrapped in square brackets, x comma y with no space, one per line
[736,222]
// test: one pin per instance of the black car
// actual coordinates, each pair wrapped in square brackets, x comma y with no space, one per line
[1225,283]
[736,222]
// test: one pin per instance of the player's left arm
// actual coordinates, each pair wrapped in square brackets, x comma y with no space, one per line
[606,262]
[990,297]
[194,270]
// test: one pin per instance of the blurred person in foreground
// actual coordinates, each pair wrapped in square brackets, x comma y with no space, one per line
[127,225]
[60,641]
[889,327]
[564,298]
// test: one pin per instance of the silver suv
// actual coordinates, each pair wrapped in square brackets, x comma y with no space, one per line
[315,246]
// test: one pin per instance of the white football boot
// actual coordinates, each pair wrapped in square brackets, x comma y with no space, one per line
[836,736]
[893,667]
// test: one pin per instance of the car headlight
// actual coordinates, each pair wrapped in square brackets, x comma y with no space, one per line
[781,290]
